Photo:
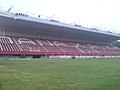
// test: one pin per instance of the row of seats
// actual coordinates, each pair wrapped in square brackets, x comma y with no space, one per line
[53,46]
[6,44]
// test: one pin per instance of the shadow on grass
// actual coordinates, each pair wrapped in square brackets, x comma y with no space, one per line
[0,85]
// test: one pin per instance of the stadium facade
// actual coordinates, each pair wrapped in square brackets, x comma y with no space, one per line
[23,35]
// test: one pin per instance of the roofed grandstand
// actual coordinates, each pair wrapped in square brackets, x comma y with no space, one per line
[36,37]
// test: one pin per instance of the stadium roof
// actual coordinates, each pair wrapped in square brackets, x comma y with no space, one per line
[55,29]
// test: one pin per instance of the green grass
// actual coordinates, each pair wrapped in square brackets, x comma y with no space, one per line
[62,74]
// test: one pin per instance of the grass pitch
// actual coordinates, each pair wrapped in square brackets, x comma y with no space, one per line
[61,74]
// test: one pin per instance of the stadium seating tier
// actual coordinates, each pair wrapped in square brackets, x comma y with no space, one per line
[22,45]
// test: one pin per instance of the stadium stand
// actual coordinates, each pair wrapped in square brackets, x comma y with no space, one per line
[38,46]
[23,35]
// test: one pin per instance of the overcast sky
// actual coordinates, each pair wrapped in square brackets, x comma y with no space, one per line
[103,14]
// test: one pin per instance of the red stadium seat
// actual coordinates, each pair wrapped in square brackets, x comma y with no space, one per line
[22,45]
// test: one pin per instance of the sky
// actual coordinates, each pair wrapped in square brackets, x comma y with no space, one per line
[101,14]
